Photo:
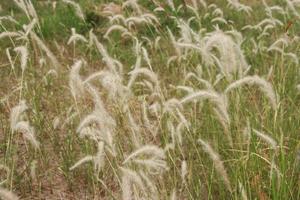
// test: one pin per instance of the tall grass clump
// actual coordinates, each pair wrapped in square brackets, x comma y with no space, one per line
[150,100]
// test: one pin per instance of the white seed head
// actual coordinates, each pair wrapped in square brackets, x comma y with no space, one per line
[24,56]
[217,162]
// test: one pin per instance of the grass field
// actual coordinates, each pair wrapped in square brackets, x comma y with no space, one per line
[150,99]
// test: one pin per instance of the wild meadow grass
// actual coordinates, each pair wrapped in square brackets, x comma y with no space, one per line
[175,99]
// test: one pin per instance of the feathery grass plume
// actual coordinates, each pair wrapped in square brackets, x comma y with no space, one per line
[153,166]
[134,20]
[179,129]
[27,7]
[277,48]
[171,4]
[146,72]
[132,184]
[270,9]
[262,84]
[22,5]
[194,8]
[173,195]
[268,139]
[206,83]
[24,56]
[102,130]
[16,113]
[264,25]
[172,130]
[174,43]
[134,5]
[217,163]
[8,18]
[195,4]
[75,82]
[19,125]
[110,62]
[247,136]
[147,42]
[172,104]
[292,7]
[219,100]
[146,57]
[31,9]
[220,77]
[10,59]
[126,187]
[91,119]
[218,48]
[112,83]
[137,185]
[99,116]
[111,9]
[151,19]
[231,56]
[189,45]
[293,57]
[265,32]
[28,132]
[176,133]
[156,42]
[273,144]
[270,73]
[152,128]
[154,160]
[146,85]
[135,129]
[77,8]
[131,22]
[28,28]
[56,123]
[243,192]
[76,37]
[219,20]
[217,12]
[236,5]
[186,33]
[82,161]
[98,159]
[280,43]
[70,115]
[120,19]
[98,103]
[120,28]
[137,48]
[184,171]
[7,195]
[9,34]
[153,193]
[91,38]
[155,109]
[41,45]
[187,89]
[136,66]
[151,150]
